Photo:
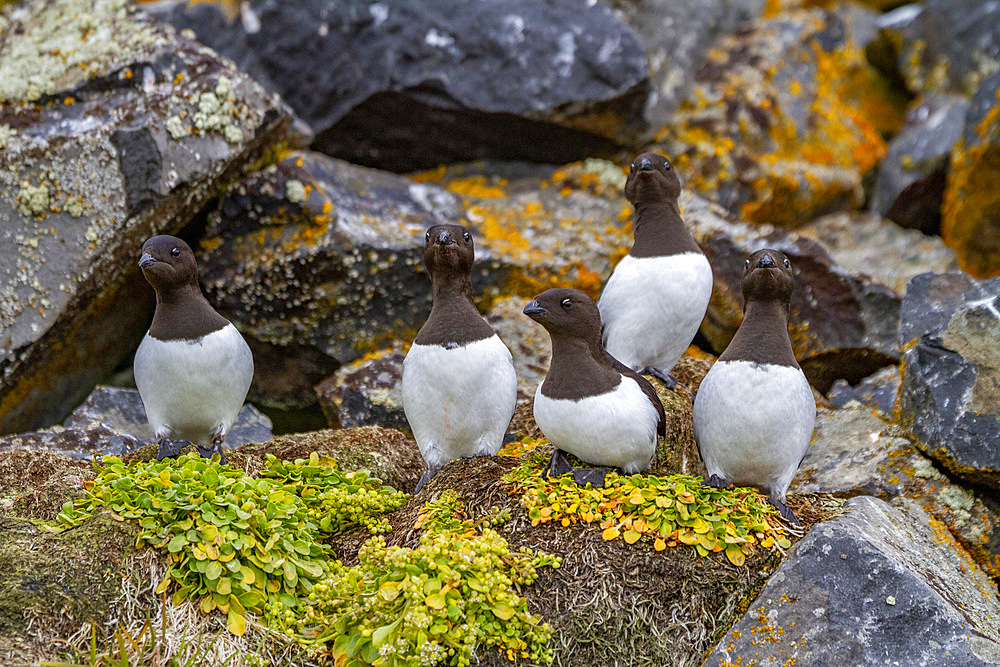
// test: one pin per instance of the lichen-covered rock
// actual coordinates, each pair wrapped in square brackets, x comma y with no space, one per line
[320,261]
[407,85]
[842,324]
[948,400]
[970,219]
[121,409]
[878,582]
[114,129]
[676,37]
[911,178]
[877,391]
[942,45]
[80,442]
[367,392]
[783,120]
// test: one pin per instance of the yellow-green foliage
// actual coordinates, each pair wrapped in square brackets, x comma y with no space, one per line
[669,510]
[433,604]
[235,542]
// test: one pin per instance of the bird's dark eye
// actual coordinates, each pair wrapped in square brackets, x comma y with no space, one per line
[666,165]
[631,167]
[427,236]
[566,303]
[467,237]
[787,264]
[176,252]
[746,265]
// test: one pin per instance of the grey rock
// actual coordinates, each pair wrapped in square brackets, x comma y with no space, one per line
[121,409]
[676,37]
[877,391]
[944,45]
[368,392]
[877,583]
[948,400]
[79,442]
[911,179]
[878,250]
[126,135]
[405,85]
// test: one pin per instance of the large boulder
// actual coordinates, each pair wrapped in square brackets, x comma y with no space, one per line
[911,179]
[948,401]
[784,118]
[677,38]
[407,85]
[112,129]
[878,582]
[970,219]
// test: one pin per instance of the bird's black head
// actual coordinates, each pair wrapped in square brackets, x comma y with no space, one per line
[168,263]
[652,178]
[566,313]
[767,276]
[449,251]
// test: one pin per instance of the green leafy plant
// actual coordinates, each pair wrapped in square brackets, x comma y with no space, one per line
[433,604]
[669,511]
[235,542]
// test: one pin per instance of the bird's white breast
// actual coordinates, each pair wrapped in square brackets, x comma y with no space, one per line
[753,423]
[613,429]
[191,388]
[459,401]
[652,307]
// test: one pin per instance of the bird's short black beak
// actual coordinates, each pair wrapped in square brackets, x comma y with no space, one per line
[146,260]
[444,238]
[645,164]
[534,310]
[766,262]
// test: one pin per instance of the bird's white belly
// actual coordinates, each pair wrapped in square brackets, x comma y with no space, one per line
[753,423]
[614,429]
[192,390]
[459,401]
[652,307]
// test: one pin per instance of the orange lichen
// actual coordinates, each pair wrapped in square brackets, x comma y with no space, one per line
[970,217]
[475,186]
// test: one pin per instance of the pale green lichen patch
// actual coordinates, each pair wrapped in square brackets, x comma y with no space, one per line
[66,43]
[216,112]
[608,172]
[175,126]
[295,191]
[5,134]
[33,199]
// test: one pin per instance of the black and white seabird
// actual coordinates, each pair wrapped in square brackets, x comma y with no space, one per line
[754,413]
[193,368]
[655,300]
[459,385]
[590,404]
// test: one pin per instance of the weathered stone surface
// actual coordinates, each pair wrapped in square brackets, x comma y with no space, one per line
[877,391]
[854,452]
[366,392]
[878,582]
[948,400]
[970,219]
[81,442]
[784,118]
[113,129]
[911,178]
[878,250]
[676,37]
[407,85]
[121,410]
[841,325]
[943,45]
[320,262]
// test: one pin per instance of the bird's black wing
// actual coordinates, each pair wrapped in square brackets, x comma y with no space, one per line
[647,389]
